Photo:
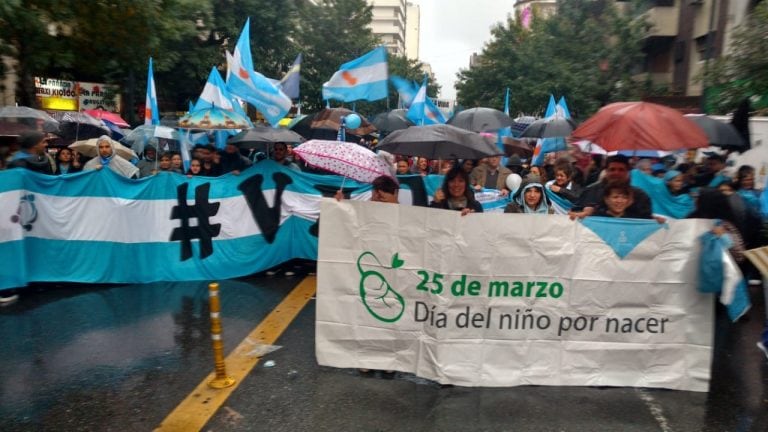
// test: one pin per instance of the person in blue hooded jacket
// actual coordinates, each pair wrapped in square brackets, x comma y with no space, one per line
[530,198]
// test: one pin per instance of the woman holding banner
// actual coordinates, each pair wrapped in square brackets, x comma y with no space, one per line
[456,193]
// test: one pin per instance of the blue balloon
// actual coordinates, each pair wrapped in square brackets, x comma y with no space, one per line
[352,121]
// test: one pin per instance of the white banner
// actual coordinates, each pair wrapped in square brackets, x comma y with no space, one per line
[507,299]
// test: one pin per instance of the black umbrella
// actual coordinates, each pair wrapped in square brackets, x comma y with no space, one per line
[76,126]
[554,127]
[438,142]
[481,120]
[518,147]
[305,128]
[262,136]
[392,120]
[718,133]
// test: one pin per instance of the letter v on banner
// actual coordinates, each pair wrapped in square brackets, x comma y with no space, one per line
[253,87]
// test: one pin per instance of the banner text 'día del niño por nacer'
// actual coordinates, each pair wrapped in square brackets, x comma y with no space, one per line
[507,300]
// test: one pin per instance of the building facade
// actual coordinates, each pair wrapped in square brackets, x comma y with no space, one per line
[684,36]
[412,30]
[542,8]
[388,24]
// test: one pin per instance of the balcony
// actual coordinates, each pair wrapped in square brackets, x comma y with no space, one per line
[663,16]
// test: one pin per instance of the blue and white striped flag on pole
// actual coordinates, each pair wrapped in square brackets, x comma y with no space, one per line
[252,86]
[151,112]
[364,78]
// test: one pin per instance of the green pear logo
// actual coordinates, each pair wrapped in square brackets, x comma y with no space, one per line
[379,298]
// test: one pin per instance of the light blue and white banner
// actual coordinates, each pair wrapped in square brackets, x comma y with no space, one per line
[99,227]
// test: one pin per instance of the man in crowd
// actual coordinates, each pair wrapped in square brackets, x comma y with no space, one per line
[280,155]
[32,154]
[206,153]
[616,170]
[108,157]
[491,175]
[148,164]
[712,176]
[232,161]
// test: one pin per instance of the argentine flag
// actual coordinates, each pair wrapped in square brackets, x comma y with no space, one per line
[364,78]
[409,92]
[252,86]
[416,112]
[215,94]
[151,112]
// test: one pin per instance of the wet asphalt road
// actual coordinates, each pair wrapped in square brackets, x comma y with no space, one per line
[121,358]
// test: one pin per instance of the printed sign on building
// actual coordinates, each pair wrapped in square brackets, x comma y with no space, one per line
[98,95]
[56,94]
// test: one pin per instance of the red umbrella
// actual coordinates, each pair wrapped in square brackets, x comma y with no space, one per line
[640,126]
[111,117]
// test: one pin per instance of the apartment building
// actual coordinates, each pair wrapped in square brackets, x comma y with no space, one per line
[388,24]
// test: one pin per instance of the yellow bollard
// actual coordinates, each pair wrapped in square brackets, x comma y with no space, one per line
[221,380]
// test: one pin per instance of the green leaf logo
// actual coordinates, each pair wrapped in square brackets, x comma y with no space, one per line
[396,261]
[380,299]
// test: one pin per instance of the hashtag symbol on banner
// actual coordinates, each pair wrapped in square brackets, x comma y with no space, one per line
[201,210]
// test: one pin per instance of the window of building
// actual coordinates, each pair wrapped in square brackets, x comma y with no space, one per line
[703,46]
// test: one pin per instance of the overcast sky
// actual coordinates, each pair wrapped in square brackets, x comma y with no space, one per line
[451,30]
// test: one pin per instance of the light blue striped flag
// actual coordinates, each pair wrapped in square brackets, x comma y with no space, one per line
[364,78]
[252,86]
[151,112]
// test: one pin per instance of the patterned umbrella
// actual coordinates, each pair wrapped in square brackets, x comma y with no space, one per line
[343,158]
[214,118]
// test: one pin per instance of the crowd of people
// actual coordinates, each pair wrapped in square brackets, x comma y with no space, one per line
[31,151]
[603,186]
[592,186]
